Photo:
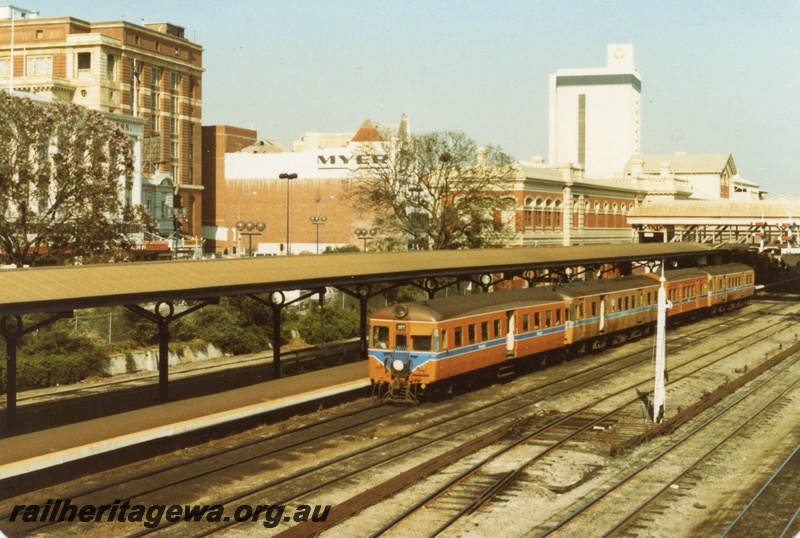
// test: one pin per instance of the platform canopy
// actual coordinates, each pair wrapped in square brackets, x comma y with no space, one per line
[53,289]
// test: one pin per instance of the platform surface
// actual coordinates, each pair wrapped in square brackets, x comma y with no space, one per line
[45,441]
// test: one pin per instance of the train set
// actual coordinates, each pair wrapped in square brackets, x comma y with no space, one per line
[420,346]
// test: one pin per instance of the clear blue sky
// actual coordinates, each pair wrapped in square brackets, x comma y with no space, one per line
[717,76]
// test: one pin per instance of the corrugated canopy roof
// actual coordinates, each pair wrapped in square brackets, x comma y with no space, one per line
[754,210]
[51,289]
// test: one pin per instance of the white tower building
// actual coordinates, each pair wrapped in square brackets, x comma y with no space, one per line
[595,114]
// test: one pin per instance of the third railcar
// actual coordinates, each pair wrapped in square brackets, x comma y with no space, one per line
[415,345]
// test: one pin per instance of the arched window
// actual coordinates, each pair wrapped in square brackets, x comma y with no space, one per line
[558,211]
[538,218]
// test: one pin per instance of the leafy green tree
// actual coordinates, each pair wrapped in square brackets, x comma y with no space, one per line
[335,324]
[63,169]
[436,191]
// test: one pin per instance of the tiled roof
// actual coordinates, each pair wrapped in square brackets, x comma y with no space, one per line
[367,133]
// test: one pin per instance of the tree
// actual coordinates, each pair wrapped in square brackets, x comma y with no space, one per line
[62,171]
[435,191]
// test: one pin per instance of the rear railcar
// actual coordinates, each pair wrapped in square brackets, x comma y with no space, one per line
[730,285]
[687,291]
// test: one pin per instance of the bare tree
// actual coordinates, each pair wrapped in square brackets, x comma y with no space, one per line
[63,169]
[435,191]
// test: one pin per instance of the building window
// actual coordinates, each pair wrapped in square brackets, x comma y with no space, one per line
[175,81]
[155,76]
[40,66]
[175,171]
[84,60]
[39,34]
[4,68]
[173,104]
[173,125]
[174,149]
[111,67]
[154,123]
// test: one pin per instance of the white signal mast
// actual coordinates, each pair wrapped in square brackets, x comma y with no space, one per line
[659,392]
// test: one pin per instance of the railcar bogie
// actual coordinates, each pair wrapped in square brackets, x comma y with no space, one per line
[416,346]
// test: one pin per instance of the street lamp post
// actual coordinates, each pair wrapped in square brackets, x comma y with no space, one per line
[250,226]
[365,235]
[318,221]
[288,178]
[239,219]
[176,213]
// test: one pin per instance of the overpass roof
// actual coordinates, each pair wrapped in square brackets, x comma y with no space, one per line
[52,289]
[717,212]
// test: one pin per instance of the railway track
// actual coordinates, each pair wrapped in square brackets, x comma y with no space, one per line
[476,485]
[348,451]
[657,480]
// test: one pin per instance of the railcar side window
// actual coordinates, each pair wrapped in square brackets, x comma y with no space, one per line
[484,331]
[420,342]
[380,337]
[571,315]
[444,338]
[547,317]
[537,322]
[457,336]
[594,310]
[497,328]
[471,333]
[558,316]
[400,341]
[526,321]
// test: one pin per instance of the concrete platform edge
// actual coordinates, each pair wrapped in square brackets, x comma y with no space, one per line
[38,463]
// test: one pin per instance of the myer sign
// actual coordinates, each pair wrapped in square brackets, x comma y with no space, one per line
[351,161]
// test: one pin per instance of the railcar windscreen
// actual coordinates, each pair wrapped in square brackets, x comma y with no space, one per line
[380,337]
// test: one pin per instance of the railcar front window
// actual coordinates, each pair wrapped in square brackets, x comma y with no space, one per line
[380,337]
[400,341]
[421,342]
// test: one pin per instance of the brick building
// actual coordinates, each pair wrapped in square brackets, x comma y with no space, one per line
[151,72]
[554,205]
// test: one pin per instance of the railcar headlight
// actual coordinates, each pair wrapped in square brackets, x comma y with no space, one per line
[398,365]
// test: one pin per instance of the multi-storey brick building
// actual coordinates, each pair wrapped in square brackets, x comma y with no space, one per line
[152,72]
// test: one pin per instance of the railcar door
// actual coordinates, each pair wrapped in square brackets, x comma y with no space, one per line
[510,340]
[602,324]
[577,314]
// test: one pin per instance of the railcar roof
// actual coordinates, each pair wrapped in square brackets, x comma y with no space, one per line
[595,287]
[457,306]
[727,268]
